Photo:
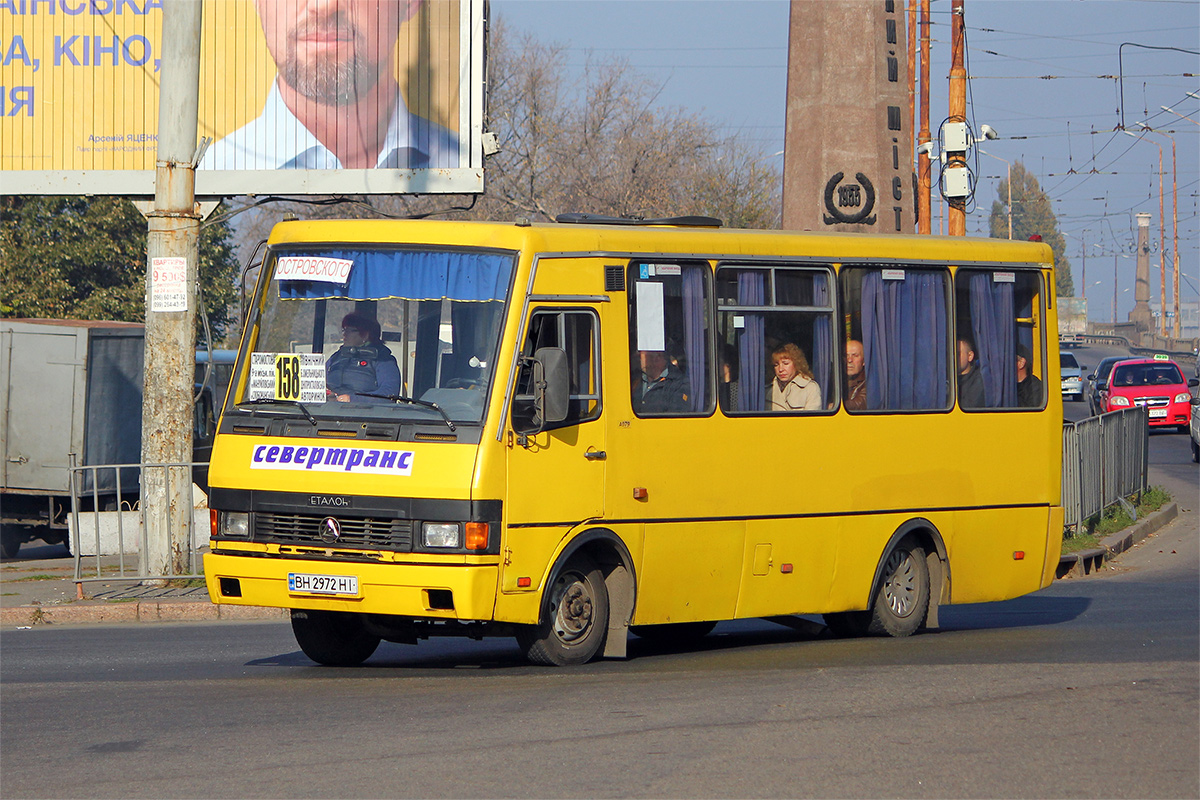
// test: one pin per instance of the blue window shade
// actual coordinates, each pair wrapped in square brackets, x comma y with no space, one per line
[905,340]
[410,275]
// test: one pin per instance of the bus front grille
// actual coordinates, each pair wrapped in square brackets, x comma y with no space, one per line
[355,532]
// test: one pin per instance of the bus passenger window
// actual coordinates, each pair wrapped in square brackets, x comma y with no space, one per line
[775,339]
[898,329]
[1000,318]
[576,333]
[671,362]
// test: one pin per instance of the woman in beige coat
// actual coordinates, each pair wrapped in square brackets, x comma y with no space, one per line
[794,388]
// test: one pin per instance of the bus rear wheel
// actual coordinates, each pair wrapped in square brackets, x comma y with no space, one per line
[902,600]
[574,618]
[333,638]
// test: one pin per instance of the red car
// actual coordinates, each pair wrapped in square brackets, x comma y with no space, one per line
[1156,383]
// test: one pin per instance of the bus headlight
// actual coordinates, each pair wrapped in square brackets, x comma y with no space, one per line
[233,523]
[1117,400]
[441,534]
[1183,397]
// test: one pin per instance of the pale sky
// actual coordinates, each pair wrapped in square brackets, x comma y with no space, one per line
[1044,70]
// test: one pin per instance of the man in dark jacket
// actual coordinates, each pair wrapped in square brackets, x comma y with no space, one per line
[363,365]
[970,380]
[1029,386]
[663,388]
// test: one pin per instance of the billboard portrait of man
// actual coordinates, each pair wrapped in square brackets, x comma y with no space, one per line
[335,102]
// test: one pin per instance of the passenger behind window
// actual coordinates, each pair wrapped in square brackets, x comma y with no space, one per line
[1029,386]
[794,388]
[728,387]
[856,377]
[662,388]
[970,381]
[363,368]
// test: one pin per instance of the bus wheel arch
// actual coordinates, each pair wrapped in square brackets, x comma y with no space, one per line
[594,572]
[911,581]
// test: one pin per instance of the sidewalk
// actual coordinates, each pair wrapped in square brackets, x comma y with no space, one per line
[42,591]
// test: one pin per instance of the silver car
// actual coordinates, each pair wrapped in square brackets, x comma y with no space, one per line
[1072,376]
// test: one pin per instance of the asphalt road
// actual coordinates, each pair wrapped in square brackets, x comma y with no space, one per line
[1088,688]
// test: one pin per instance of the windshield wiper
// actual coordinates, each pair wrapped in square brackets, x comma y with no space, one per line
[399,398]
[264,400]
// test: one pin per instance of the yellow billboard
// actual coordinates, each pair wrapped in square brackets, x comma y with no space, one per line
[296,96]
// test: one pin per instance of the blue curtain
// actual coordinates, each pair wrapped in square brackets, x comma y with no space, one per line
[410,275]
[752,364]
[905,340]
[822,355]
[695,346]
[993,328]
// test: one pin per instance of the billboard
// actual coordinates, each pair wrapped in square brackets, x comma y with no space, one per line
[297,96]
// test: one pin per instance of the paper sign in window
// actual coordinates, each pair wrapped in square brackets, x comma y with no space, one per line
[320,269]
[651,328]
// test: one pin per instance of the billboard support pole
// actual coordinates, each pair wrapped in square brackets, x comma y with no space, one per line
[171,277]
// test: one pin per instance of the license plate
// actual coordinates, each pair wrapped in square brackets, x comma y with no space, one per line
[306,583]
[1156,413]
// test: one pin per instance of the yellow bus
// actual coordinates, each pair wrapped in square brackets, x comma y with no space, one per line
[573,431]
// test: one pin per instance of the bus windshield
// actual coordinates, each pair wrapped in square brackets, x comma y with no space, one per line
[377,332]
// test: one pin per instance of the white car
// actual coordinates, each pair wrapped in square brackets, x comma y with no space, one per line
[1072,376]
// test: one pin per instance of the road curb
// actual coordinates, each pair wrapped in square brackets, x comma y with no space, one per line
[125,613]
[1087,561]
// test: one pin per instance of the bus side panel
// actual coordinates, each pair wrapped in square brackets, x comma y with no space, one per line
[689,571]
[984,549]
[790,566]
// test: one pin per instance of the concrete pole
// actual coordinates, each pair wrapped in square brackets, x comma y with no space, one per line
[1175,236]
[1162,252]
[172,249]
[957,215]
[1141,315]
[924,176]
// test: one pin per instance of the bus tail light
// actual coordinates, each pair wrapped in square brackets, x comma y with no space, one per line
[477,536]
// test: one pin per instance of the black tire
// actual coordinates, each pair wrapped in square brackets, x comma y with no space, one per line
[848,624]
[674,634]
[574,618]
[902,599]
[333,638]
[1195,451]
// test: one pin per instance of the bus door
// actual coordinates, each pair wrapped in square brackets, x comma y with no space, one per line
[556,475]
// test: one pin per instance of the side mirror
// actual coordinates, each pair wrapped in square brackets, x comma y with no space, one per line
[1091,377]
[1193,382]
[552,390]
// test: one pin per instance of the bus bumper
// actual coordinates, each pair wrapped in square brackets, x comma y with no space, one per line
[423,591]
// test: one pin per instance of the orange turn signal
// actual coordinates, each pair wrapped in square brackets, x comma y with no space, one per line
[212,521]
[477,536]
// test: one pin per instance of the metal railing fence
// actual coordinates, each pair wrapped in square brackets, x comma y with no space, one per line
[1104,459]
[108,528]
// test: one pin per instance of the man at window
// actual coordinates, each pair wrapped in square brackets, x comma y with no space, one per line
[856,377]
[970,380]
[1029,386]
[662,388]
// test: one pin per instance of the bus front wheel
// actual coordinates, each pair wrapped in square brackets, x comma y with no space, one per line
[333,638]
[574,618]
